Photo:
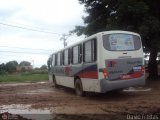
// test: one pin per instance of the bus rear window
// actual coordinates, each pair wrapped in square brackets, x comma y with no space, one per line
[121,42]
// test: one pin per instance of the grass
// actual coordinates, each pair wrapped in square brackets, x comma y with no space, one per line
[23,77]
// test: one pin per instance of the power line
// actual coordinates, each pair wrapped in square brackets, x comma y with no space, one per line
[31,29]
[13,55]
[26,52]
[17,55]
[25,48]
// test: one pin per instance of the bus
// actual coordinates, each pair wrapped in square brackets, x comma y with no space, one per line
[105,61]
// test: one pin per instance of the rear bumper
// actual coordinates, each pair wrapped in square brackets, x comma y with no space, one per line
[107,85]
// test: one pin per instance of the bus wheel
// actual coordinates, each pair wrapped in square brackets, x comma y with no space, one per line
[79,88]
[54,82]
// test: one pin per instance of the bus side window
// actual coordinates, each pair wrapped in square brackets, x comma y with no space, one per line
[49,63]
[66,57]
[80,53]
[94,50]
[58,59]
[53,61]
[90,51]
[75,55]
[71,55]
[61,58]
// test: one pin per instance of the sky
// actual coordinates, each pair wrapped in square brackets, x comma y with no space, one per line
[20,21]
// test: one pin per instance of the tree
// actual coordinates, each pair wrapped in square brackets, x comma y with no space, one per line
[43,67]
[24,63]
[2,68]
[142,16]
[11,66]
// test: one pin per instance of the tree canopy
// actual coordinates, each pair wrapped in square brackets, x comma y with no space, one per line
[11,66]
[43,67]
[24,63]
[141,16]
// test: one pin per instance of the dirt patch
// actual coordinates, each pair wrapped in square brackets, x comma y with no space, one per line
[62,103]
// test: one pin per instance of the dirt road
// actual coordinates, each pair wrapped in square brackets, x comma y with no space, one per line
[64,104]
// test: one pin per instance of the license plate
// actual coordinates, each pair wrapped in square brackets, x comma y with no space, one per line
[123,77]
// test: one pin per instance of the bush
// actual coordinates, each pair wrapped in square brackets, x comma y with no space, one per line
[26,73]
[39,72]
[2,72]
[33,72]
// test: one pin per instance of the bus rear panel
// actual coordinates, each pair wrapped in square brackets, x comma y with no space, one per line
[122,61]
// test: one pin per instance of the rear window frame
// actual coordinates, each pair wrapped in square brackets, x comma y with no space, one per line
[107,41]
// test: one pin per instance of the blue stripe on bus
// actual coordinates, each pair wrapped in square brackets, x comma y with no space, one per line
[88,69]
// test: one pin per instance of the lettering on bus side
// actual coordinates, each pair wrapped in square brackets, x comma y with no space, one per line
[67,70]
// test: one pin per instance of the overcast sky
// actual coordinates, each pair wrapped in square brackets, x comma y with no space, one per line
[55,16]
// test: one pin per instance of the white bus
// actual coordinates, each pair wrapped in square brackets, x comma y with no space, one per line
[105,61]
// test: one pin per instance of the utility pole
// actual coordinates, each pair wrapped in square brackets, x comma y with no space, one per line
[64,39]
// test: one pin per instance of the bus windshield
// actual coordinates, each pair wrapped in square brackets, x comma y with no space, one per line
[121,42]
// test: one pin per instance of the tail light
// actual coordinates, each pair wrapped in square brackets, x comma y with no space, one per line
[105,73]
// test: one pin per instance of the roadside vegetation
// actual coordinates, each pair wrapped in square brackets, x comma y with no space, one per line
[24,77]
[23,72]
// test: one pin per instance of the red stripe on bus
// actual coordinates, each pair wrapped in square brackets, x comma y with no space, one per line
[131,76]
[137,75]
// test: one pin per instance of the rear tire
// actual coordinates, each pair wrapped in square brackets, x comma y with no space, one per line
[79,88]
